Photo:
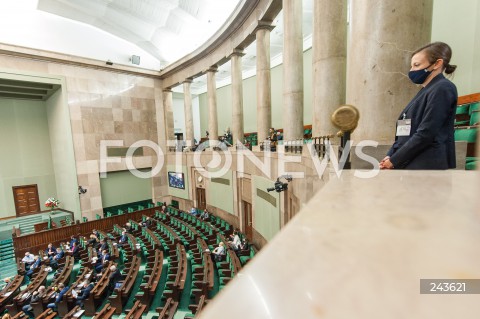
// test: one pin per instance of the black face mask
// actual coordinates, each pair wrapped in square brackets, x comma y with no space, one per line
[419,76]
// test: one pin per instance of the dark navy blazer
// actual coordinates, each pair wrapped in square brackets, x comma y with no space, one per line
[431,143]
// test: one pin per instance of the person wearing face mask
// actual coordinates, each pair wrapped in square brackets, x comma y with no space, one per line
[425,132]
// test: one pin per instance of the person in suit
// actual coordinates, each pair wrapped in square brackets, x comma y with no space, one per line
[115,276]
[93,240]
[60,254]
[61,290]
[425,128]
[84,293]
[123,239]
[103,245]
[50,251]
[103,259]
[36,297]
[75,249]
[147,223]
[34,266]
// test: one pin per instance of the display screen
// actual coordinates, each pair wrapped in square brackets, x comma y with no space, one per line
[176,180]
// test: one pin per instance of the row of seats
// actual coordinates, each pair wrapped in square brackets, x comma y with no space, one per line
[467,122]
[467,114]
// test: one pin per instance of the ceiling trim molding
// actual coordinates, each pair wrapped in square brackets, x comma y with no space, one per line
[237,33]
[66,59]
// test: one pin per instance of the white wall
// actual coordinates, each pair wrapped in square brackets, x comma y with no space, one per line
[41,30]
[63,155]
[457,23]
[179,115]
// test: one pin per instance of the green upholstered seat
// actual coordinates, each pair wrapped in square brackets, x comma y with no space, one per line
[471,165]
[466,134]
[475,118]
[462,109]
[474,107]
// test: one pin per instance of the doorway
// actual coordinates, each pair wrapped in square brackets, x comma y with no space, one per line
[247,222]
[201,199]
[26,199]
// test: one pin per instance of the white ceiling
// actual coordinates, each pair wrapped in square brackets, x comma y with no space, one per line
[167,29]
[160,31]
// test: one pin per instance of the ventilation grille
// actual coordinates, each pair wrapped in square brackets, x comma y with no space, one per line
[122,151]
[25,90]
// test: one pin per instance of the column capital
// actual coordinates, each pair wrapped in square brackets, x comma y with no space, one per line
[237,52]
[264,25]
[188,80]
[213,68]
[167,90]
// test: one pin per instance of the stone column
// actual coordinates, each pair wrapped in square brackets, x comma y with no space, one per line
[212,104]
[159,181]
[264,86]
[329,62]
[168,103]
[292,70]
[188,112]
[383,36]
[237,96]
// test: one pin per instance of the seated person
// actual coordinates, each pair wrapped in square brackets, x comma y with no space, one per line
[93,240]
[75,250]
[50,251]
[60,254]
[123,239]
[219,252]
[244,246]
[36,297]
[34,266]
[73,240]
[204,215]
[147,223]
[193,211]
[28,260]
[103,245]
[235,242]
[83,294]
[102,259]
[58,295]
[114,278]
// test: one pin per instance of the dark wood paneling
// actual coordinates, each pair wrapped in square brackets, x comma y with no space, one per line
[39,241]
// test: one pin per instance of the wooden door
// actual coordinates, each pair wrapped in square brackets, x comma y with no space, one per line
[26,199]
[247,215]
[201,199]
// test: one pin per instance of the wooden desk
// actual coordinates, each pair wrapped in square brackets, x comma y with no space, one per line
[137,310]
[106,312]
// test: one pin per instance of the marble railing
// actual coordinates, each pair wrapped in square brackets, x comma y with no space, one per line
[359,249]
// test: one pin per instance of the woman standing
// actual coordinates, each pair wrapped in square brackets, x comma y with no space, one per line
[425,133]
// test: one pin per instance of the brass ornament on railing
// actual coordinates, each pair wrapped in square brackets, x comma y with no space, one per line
[346,118]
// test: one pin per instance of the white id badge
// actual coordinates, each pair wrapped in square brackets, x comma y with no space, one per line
[403,127]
